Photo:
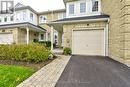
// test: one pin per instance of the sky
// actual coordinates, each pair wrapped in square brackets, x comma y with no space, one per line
[43,5]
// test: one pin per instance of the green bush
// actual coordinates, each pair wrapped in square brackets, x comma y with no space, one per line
[46,43]
[30,53]
[67,51]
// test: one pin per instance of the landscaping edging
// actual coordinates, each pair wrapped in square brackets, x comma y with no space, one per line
[35,66]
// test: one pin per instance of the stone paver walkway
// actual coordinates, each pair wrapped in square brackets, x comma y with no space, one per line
[48,75]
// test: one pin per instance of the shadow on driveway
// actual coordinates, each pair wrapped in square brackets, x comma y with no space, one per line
[94,71]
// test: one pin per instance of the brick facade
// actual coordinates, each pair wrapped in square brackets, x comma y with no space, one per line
[119,27]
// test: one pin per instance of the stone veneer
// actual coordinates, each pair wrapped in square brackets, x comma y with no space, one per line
[119,29]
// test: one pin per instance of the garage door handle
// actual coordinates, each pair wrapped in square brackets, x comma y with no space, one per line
[86,45]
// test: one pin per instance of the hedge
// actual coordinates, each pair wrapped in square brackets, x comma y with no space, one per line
[30,53]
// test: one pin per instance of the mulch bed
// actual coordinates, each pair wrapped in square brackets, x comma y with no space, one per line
[35,66]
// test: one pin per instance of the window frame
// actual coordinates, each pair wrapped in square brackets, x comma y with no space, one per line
[12,18]
[42,38]
[83,9]
[95,7]
[31,16]
[43,19]
[5,19]
[71,9]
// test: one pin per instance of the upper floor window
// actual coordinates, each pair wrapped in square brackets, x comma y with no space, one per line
[82,7]
[24,15]
[0,20]
[71,9]
[5,19]
[31,16]
[43,19]
[95,6]
[11,18]
[18,16]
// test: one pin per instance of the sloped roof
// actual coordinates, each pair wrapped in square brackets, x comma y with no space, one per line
[82,19]
[37,27]
[19,5]
[59,10]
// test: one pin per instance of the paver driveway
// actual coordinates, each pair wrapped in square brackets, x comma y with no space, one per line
[88,71]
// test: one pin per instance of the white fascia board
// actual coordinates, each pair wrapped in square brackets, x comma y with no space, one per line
[75,21]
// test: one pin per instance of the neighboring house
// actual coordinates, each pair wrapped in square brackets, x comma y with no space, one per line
[48,16]
[96,27]
[21,27]
[14,27]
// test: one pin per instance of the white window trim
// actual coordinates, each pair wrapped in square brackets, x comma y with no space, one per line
[80,7]
[99,7]
[31,18]
[41,21]
[44,38]
[69,9]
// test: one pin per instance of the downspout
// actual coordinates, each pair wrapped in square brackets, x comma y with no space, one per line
[107,38]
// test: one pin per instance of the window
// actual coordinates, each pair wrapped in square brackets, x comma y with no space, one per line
[95,6]
[24,15]
[71,9]
[0,20]
[18,16]
[64,15]
[41,36]
[5,19]
[31,16]
[82,7]
[43,19]
[11,18]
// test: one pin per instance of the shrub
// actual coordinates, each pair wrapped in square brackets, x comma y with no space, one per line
[30,53]
[46,43]
[67,51]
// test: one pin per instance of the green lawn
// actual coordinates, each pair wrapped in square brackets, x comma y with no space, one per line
[11,76]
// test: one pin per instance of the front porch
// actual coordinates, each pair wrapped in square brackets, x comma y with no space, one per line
[23,33]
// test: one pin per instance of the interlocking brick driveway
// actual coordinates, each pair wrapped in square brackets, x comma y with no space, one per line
[88,71]
[48,75]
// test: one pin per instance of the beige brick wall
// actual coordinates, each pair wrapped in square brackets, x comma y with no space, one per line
[67,30]
[119,27]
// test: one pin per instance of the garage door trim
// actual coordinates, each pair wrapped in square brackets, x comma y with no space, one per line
[105,38]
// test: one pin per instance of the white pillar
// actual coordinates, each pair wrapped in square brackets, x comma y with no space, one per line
[46,36]
[52,34]
[27,29]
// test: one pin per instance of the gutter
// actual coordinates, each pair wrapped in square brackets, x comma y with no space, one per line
[75,21]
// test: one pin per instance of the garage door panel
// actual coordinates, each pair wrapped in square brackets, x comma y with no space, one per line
[88,42]
[6,38]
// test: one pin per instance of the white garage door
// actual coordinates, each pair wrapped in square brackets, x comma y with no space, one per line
[88,42]
[6,38]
